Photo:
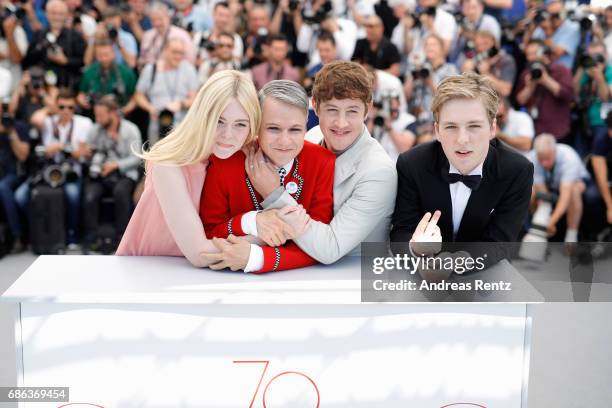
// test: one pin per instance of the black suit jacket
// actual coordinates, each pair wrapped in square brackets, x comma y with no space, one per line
[495,211]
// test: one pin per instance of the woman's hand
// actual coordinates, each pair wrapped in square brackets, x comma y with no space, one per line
[261,172]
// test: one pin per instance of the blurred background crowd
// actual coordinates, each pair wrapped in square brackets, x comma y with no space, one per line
[82,82]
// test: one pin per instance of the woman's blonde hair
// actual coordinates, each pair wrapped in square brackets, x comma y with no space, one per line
[468,85]
[193,139]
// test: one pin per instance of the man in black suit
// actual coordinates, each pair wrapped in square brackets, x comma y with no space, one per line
[477,189]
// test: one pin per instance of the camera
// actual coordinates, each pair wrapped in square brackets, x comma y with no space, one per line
[485,55]
[9,11]
[293,4]
[536,69]
[112,32]
[590,61]
[260,39]
[534,244]
[125,7]
[311,17]
[541,16]
[207,44]
[95,166]
[7,120]
[53,174]
[420,73]
[166,121]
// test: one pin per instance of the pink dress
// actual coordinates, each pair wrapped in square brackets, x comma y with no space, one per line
[148,232]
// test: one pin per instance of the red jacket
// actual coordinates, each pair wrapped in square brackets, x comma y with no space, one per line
[226,198]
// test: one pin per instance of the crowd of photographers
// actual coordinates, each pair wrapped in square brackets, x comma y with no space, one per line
[83,83]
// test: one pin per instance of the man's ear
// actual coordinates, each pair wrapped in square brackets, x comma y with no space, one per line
[367,107]
[436,128]
[315,106]
[493,129]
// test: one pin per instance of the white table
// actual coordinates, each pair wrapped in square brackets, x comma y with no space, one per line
[156,332]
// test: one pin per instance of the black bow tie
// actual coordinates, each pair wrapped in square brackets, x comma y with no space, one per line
[471,182]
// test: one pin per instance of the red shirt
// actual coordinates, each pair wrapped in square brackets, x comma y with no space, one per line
[226,197]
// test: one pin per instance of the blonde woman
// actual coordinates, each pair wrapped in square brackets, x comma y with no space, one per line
[223,117]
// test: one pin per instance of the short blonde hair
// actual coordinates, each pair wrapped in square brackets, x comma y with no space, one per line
[193,139]
[468,85]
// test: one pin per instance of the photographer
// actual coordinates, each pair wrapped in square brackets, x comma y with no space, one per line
[422,80]
[435,20]
[593,85]
[471,21]
[547,91]
[63,136]
[515,128]
[558,169]
[33,99]
[191,17]
[488,60]
[388,124]
[155,39]
[106,76]
[113,168]
[58,49]
[326,47]
[559,34]
[13,41]
[14,148]
[223,22]
[135,18]
[277,66]
[320,17]
[167,87]
[221,58]
[124,43]
[599,201]
[258,28]
[376,50]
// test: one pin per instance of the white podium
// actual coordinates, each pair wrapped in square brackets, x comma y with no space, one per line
[155,332]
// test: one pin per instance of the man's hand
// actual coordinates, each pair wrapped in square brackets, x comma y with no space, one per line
[58,56]
[233,253]
[271,229]
[262,173]
[427,239]
[9,25]
[297,218]
[108,168]
[551,229]
[484,67]
[54,148]
[174,106]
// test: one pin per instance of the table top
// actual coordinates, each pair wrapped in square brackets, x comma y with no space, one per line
[115,279]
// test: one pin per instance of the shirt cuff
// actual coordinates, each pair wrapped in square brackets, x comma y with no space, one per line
[256,259]
[248,223]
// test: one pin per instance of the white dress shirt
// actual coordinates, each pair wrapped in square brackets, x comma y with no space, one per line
[460,194]
[248,223]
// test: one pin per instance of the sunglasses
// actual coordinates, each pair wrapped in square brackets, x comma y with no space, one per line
[64,107]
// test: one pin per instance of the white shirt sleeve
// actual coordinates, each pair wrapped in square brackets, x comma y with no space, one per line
[248,223]
[256,259]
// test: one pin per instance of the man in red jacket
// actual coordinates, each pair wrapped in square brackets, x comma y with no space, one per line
[230,202]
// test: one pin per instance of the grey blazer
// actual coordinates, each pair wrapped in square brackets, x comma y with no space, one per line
[365,185]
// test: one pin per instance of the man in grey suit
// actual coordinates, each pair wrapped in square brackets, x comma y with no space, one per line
[365,180]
